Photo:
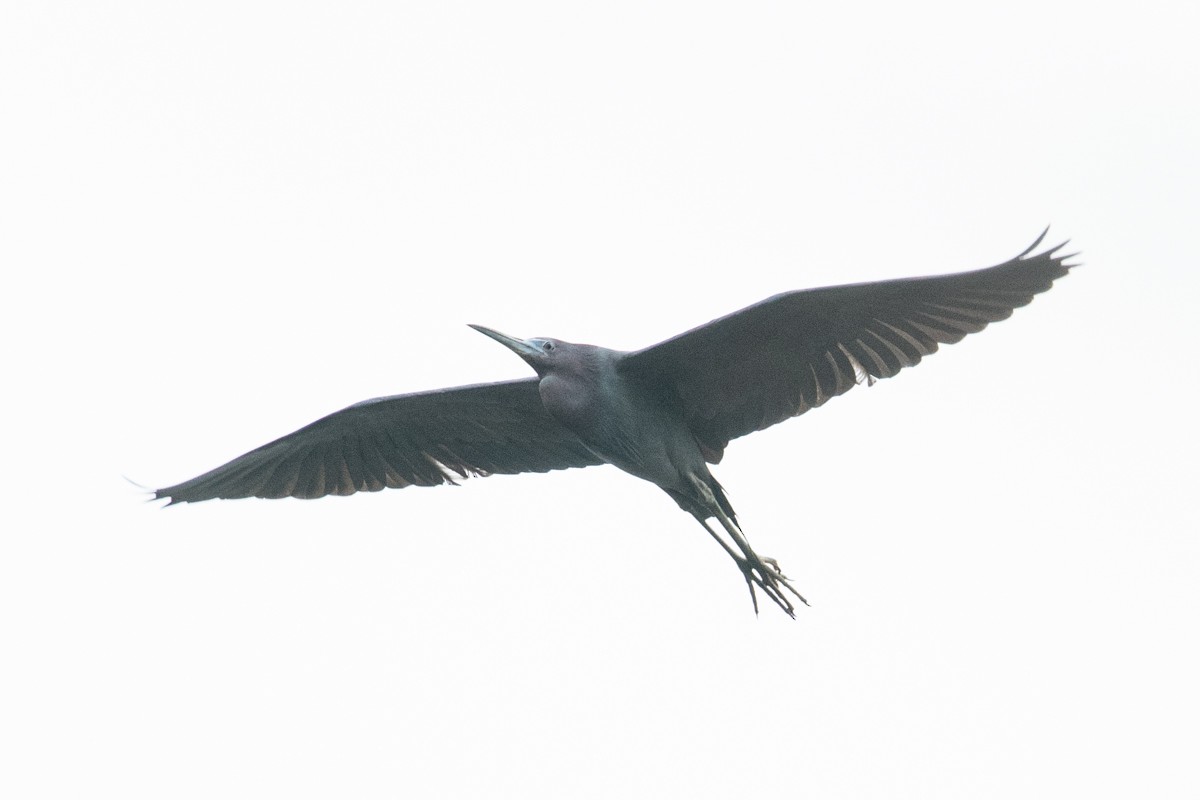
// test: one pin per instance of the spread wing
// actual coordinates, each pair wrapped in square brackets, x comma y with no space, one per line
[792,352]
[421,439]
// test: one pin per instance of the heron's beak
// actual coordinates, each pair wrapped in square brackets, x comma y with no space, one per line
[519,346]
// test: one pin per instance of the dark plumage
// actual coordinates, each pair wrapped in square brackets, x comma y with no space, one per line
[662,413]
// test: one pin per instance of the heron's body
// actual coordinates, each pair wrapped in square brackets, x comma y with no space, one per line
[622,424]
[662,414]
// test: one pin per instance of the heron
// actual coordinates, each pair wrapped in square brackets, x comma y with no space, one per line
[662,413]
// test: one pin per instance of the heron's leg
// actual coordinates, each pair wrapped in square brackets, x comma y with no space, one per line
[771,564]
[764,572]
[756,572]
[743,565]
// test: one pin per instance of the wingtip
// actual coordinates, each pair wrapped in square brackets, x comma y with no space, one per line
[1036,242]
[157,494]
[1051,253]
[154,494]
[134,483]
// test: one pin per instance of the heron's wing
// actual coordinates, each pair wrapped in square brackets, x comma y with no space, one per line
[792,352]
[420,439]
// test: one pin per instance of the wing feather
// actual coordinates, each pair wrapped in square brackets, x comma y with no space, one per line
[423,439]
[792,352]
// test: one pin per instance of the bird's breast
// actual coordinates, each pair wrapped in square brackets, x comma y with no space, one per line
[576,405]
[605,418]
[621,426]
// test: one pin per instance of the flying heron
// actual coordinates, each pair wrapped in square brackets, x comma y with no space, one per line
[662,414]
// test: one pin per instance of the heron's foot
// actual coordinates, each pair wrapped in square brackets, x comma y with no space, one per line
[766,575]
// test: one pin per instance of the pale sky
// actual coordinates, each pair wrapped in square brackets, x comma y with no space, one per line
[221,221]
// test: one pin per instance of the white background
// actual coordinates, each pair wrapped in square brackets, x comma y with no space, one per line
[220,221]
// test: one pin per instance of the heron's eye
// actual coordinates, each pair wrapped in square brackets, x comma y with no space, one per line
[547,346]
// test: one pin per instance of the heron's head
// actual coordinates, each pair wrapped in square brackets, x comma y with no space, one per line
[538,353]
